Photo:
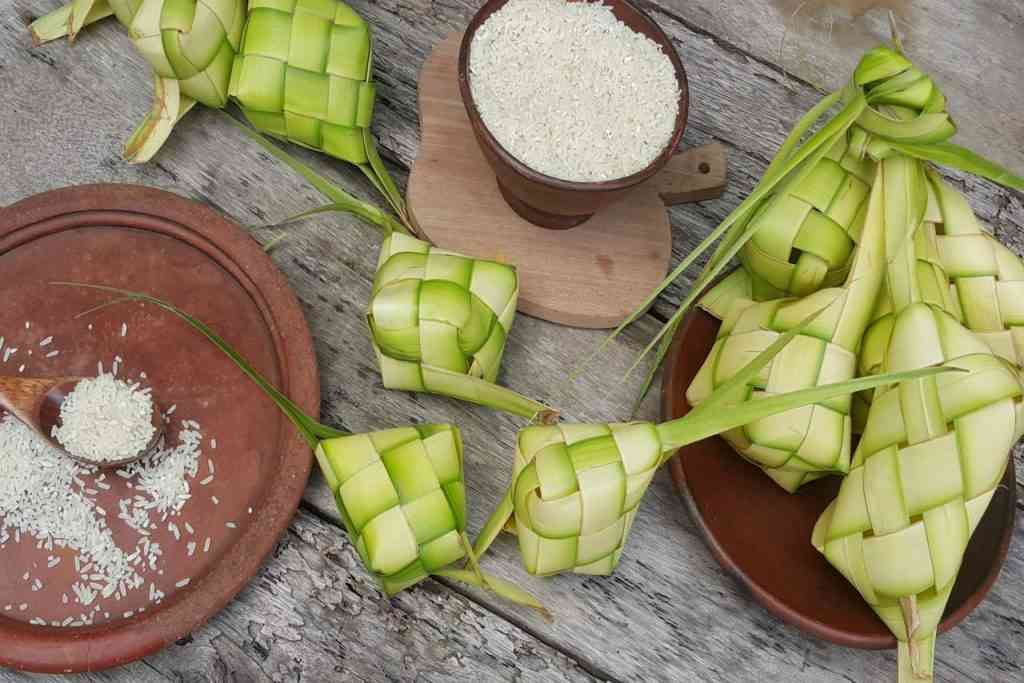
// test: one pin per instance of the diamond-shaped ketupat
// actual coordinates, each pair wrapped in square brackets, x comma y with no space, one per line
[804,444]
[932,451]
[439,322]
[576,493]
[401,495]
[304,73]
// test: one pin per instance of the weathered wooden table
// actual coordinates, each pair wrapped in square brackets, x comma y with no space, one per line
[669,612]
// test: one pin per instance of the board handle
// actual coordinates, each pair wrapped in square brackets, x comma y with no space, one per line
[693,175]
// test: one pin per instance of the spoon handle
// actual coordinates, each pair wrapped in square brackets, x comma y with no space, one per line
[23,396]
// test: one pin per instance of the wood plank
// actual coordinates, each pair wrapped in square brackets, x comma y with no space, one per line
[668,612]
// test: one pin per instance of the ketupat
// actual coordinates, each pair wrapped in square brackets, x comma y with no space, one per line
[402,499]
[438,320]
[987,279]
[400,492]
[575,488]
[786,230]
[804,234]
[301,70]
[963,271]
[304,73]
[932,452]
[799,446]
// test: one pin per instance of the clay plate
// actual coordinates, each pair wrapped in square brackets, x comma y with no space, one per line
[149,240]
[761,534]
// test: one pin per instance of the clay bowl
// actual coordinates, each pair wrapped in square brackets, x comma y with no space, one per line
[551,202]
[761,535]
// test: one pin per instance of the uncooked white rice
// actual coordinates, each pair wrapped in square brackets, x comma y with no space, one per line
[46,497]
[105,419]
[571,91]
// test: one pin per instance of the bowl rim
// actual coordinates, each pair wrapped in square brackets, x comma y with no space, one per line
[530,173]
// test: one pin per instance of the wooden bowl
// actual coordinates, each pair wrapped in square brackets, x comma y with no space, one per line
[762,535]
[542,199]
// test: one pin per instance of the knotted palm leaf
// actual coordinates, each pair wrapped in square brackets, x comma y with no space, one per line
[795,231]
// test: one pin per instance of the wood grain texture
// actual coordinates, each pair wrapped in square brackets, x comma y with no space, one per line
[668,613]
[694,175]
[23,397]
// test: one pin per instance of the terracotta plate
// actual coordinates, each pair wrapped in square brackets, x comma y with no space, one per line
[153,241]
[761,534]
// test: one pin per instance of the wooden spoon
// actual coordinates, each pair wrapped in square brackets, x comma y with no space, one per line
[36,401]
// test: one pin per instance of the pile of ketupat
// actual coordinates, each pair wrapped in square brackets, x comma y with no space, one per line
[401,491]
[848,245]
[438,323]
[855,221]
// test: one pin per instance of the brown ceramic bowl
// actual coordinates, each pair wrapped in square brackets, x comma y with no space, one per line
[761,535]
[551,202]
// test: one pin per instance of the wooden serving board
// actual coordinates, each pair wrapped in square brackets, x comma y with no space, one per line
[593,275]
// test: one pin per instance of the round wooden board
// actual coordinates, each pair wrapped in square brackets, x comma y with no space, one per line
[762,535]
[153,241]
[593,275]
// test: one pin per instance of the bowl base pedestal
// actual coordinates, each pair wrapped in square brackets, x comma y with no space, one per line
[592,275]
[540,218]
